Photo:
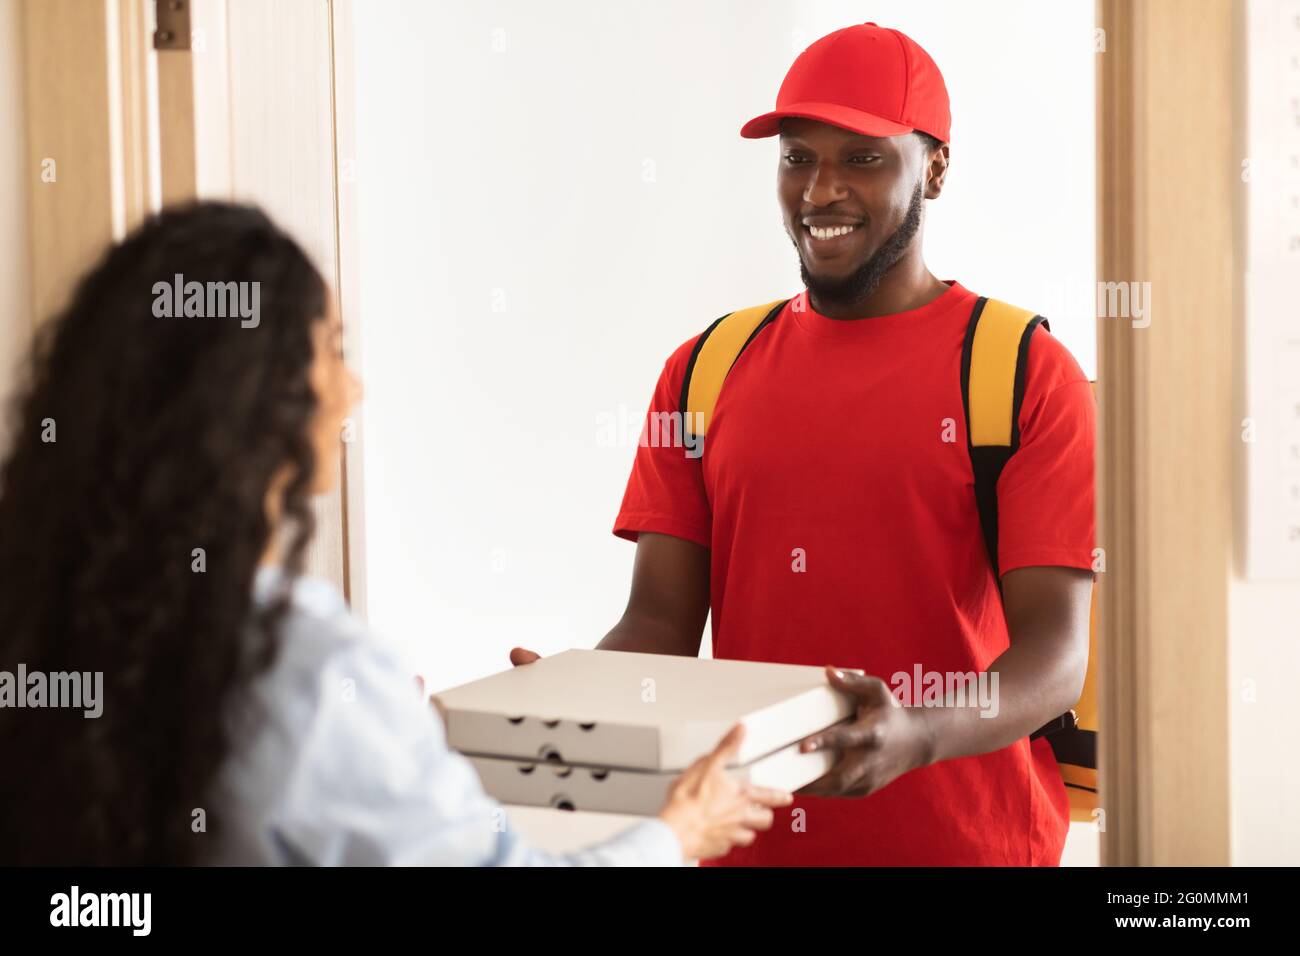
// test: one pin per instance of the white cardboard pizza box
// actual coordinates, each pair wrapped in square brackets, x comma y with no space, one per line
[655,712]
[538,783]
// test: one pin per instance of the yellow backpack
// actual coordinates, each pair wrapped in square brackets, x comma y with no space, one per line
[993,367]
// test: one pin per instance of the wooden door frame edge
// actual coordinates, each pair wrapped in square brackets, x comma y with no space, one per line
[1165,762]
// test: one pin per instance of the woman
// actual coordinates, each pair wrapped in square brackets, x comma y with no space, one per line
[154,515]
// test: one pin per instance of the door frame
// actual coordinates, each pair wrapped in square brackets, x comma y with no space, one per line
[1165,449]
[132,128]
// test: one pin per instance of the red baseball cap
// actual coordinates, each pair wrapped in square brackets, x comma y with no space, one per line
[864,78]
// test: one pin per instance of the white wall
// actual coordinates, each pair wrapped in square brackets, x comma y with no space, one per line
[1264,661]
[554,196]
[1264,615]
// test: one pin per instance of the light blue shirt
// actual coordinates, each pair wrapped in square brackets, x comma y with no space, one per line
[338,761]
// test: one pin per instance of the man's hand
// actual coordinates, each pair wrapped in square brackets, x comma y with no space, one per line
[520,656]
[884,741]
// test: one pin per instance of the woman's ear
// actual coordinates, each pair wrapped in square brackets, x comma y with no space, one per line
[937,171]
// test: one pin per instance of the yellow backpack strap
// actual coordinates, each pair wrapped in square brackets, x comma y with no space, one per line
[994,362]
[714,354]
[994,358]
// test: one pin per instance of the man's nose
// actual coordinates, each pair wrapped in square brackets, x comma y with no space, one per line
[824,186]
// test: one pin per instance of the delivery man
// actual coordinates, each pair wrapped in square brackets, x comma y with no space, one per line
[831,517]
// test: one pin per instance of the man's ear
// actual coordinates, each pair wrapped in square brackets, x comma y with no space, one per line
[938,170]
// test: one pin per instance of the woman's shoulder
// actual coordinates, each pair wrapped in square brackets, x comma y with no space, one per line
[319,628]
[334,711]
[315,604]
[309,595]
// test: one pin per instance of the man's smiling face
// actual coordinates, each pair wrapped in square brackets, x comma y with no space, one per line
[851,203]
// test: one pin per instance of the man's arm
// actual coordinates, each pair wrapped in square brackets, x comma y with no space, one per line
[1040,677]
[669,601]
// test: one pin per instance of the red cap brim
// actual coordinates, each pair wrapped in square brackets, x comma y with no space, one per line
[868,124]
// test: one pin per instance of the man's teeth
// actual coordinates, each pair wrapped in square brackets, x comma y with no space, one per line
[831,232]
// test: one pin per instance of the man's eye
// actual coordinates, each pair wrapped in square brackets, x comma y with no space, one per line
[795,159]
[864,160]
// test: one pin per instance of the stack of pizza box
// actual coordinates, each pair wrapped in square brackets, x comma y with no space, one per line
[610,731]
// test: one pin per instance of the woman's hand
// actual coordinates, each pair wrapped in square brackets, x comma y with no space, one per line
[707,810]
[710,812]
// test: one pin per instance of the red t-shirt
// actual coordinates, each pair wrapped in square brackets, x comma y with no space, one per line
[829,436]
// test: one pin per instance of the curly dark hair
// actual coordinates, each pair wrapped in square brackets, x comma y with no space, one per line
[168,434]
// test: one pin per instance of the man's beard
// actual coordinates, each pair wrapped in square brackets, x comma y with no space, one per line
[858,285]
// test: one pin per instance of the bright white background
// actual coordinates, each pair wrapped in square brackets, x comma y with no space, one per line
[554,196]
